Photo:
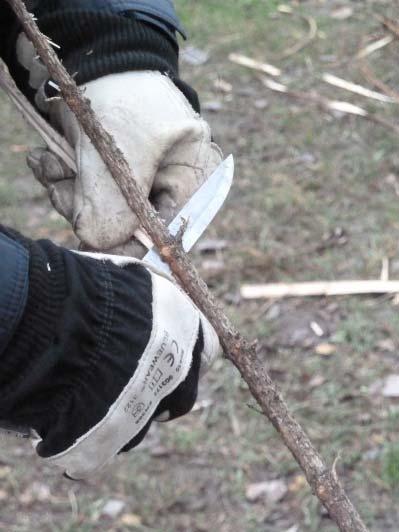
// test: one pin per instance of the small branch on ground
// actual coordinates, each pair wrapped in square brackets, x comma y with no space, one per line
[390,25]
[239,351]
[328,105]
[321,288]
[369,75]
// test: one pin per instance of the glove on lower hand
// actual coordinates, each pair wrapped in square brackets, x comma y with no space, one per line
[167,145]
[111,347]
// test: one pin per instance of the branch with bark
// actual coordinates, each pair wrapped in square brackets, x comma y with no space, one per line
[242,353]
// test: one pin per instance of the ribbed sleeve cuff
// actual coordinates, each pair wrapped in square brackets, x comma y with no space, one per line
[94,44]
[20,365]
[14,266]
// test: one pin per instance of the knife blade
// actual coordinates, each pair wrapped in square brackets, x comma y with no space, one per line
[199,211]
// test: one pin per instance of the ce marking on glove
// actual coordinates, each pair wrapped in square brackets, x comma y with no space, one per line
[170,358]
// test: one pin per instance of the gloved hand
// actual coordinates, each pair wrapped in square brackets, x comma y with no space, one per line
[167,145]
[105,347]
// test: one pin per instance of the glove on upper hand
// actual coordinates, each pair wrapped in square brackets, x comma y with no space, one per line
[166,143]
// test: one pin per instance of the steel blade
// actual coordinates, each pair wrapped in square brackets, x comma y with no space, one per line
[199,211]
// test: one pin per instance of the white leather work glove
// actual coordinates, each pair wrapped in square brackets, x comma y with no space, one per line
[162,387]
[106,346]
[167,144]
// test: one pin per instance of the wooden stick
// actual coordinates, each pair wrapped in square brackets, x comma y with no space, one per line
[391,25]
[372,78]
[310,37]
[355,88]
[328,105]
[318,288]
[374,46]
[248,62]
[55,142]
[239,351]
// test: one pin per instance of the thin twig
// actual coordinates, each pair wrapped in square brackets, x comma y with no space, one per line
[318,289]
[54,141]
[374,46]
[328,105]
[390,25]
[355,88]
[303,43]
[242,353]
[253,64]
[369,75]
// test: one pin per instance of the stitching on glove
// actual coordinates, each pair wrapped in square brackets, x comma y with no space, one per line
[75,454]
[177,95]
[104,334]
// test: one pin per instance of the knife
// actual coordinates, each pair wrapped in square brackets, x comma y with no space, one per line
[199,211]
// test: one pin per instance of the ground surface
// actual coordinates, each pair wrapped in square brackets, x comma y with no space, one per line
[315,197]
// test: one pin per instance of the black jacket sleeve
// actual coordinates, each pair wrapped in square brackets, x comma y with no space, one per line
[101,37]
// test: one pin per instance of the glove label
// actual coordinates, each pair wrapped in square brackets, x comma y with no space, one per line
[164,364]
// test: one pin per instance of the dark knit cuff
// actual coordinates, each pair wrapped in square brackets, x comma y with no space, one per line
[95,44]
[21,365]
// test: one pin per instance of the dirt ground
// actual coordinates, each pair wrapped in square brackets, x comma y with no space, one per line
[315,197]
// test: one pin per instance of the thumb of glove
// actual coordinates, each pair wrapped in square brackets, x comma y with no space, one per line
[56,177]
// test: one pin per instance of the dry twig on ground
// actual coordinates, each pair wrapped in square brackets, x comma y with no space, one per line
[369,75]
[253,64]
[390,25]
[308,39]
[355,88]
[328,105]
[240,352]
[319,288]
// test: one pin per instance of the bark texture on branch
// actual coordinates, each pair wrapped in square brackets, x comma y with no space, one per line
[238,350]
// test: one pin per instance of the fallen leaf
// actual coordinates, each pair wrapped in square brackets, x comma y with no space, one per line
[131,520]
[273,491]
[283,8]
[377,439]
[113,508]
[5,472]
[210,245]
[222,85]
[160,451]
[391,386]
[316,381]
[194,56]
[212,106]
[375,388]
[261,103]
[342,13]
[372,454]
[18,148]
[297,484]
[213,266]
[325,350]
[41,492]
[316,329]
[387,345]
[26,498]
